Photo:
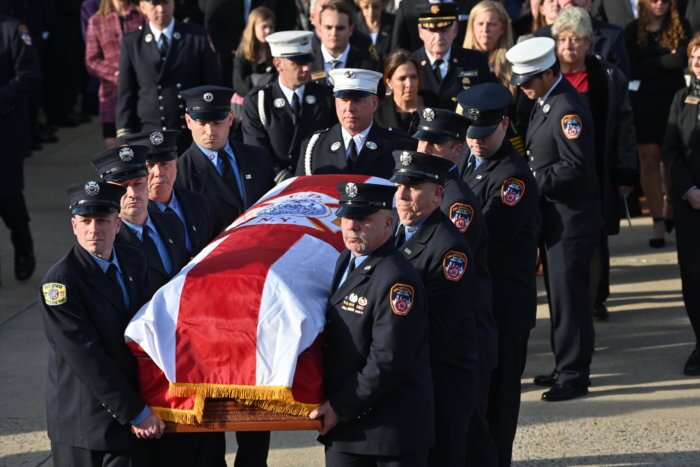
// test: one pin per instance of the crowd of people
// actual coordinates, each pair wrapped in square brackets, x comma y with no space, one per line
[516,134]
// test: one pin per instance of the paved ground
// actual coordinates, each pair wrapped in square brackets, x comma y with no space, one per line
[641,409]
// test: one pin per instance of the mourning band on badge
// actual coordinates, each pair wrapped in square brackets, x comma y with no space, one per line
[512,191]
[571,126]
[54,293]
[461,215]
[401,297]
[454,264]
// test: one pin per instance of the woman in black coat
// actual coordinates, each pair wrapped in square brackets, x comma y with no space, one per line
[604,87]
[252,64]
[681,152]
[378,24]
[402,78]
[656,44]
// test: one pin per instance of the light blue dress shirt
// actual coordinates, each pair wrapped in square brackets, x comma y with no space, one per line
[153,233]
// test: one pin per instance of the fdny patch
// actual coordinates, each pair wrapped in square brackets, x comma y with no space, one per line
[512,191]
[571,126]
[54,293]
[461,216]
[401,299]
[454,263]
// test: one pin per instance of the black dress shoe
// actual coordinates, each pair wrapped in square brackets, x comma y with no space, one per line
[25,264]
[546,380]
[692,365]
[657,242]
[564,392]
[600,312]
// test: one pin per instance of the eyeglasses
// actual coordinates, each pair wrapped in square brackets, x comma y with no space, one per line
[573,39]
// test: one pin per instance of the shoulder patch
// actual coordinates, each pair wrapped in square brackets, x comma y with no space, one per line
[461,215]
[23,32]
[512,191]
[401,298]
[54,293]
[571,126]
[454,263]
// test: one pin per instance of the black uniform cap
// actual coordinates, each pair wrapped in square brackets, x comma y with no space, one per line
[122,163]
[440,125]
[417,167]
[90,198]
[484,105]
[363,199]
[161,144]
[208,103]
[437,15]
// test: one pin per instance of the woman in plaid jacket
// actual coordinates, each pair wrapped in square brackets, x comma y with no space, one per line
[113,20]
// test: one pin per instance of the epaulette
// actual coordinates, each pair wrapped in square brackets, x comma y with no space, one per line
[310,149]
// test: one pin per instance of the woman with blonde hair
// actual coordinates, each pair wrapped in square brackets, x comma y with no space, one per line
[681,151]
[114,19]
[656,43]
[252,64]
[489,31]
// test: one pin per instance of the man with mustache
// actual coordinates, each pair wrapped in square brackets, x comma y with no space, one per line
[377,376]
[160,236]
[191,208]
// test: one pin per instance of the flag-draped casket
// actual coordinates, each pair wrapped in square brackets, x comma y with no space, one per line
[242,320]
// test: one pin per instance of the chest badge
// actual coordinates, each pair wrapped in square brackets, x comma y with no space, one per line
[278,103]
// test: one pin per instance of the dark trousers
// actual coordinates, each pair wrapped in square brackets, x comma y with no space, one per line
[481,450]
[455,399]
[71,456]
[690,282]
[188,450]
[567,270]
[13,210]
[335,458]
[504,393]
[252,448]
[600,272]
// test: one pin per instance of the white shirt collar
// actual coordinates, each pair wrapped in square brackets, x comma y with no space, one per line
[445,58]
[359,138]
[542,99]
[168,31]
[327,57]
[289,92]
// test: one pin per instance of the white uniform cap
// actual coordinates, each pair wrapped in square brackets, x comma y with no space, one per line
[295,45]
[354,82]
[530,57]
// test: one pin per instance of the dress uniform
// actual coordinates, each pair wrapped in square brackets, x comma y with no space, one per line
[458,69]
[192,208]
[460,205]
[154,71]
[376,365]
[681,152]
[336,150]
[507,195]
[160,236]
[87,302]
[560,146]
[278,117]
[444,260]
[231,184]
[19,81]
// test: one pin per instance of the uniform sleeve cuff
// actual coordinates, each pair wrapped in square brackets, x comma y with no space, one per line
[141,416]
